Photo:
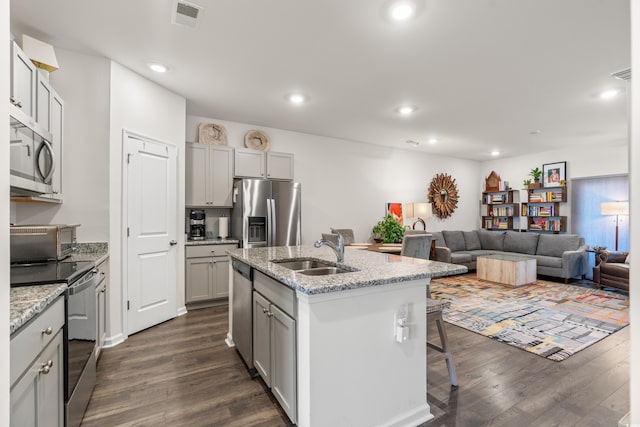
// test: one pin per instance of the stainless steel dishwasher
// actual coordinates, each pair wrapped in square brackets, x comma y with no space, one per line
[242,329]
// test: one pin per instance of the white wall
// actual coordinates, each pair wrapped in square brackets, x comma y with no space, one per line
[634,184]
[346,184]
[83,83]
[4,214]
[143,107]
[605,160]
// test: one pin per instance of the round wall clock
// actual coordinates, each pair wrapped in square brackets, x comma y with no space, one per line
[443,194]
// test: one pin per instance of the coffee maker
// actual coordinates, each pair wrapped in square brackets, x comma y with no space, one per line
[197,228]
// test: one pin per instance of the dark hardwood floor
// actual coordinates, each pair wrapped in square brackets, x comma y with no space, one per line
[181,373]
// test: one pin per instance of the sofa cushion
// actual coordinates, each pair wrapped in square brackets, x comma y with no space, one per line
[459,258]
[616,269]
[455,240]
[471,240]
[492,240]
[523,243]
[556,244]
[437,237]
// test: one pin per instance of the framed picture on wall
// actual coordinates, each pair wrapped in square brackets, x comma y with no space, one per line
[553,173]
[395,209]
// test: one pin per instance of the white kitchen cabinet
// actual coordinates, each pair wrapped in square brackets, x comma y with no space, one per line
[101,306]
[274,340]
[249,163]
[37,370]
[23,81]
[280,166]
[209,175]
[44,97]
[207,273]
[259,164]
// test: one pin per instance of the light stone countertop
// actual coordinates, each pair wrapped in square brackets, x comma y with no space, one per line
[211,242]
[28,301]
[374,268]
[96,252]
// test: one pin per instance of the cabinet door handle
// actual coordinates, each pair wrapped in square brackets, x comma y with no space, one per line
[45,368]
[18,104]
[173,243]
[269,314]
[47,331]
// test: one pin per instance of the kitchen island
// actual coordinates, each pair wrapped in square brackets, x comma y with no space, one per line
[354,362]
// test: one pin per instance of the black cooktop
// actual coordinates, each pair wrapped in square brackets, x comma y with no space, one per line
[43,273]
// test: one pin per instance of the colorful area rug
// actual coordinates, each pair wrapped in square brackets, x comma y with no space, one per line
[552,320]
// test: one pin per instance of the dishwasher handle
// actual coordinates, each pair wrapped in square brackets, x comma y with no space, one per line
[243,269]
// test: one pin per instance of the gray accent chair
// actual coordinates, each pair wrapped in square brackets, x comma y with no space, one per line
[416,246]
[557,255]
[347,234]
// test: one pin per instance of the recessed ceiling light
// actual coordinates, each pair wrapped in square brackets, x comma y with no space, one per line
[495,153]
[608,94]
[402,11]
[433,140]
[535,132]
[405,110]
[414,143]
[158,68]
[297,98]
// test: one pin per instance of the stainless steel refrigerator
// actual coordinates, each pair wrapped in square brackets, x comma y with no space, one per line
[266,213]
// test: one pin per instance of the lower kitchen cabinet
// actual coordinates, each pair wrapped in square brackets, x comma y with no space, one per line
[207,272]
[37,393]
[274,349]
[101,306]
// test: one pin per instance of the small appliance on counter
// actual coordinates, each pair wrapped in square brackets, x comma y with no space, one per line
[197,229]
[39,243]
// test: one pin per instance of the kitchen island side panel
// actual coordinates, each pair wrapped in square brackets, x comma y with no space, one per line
[351,370]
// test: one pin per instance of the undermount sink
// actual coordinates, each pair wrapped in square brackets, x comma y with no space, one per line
[302,264]
[313,267]
[323,271]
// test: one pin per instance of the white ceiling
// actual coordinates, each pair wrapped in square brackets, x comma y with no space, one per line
[483,73]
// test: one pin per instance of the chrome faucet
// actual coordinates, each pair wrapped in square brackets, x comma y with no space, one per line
[338,249]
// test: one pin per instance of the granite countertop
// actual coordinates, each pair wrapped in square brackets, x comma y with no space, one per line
[95,251]
[28,301]
[374,268]
[211,242]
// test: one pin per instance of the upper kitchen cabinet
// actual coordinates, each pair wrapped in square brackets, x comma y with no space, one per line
[259,164]
[209,175]
[23,81]
[280,166]
[249,163]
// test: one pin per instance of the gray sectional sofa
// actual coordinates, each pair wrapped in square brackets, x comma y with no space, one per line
[557,255]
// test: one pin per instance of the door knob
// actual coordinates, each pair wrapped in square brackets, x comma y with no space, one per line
[173,243]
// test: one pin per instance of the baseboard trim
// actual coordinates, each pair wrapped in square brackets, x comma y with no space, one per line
[113,341]
[182,311]
[415,417]
[229,340]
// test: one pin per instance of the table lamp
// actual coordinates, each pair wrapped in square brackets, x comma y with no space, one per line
[617,209]
[419,210]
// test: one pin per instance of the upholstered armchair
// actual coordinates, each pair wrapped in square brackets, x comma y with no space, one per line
[612,270]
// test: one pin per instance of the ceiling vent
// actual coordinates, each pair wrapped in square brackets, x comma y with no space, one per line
[185,13]
[622,74]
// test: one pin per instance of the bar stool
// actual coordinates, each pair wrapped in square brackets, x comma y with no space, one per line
[434,314]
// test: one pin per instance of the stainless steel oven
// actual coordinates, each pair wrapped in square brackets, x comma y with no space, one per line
[79,330]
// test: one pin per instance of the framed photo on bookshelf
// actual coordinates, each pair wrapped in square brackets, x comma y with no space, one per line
[553,173]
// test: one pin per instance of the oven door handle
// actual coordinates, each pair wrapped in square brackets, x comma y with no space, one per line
[89,280]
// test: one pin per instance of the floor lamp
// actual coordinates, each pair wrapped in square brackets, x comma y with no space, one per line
[420,211]
[617,209]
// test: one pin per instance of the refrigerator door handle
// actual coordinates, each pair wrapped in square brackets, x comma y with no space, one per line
[273,222]
[269,220]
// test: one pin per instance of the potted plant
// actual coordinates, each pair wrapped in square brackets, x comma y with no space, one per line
[536,173]
[389,230]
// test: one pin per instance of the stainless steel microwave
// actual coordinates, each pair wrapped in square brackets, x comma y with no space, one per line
[37,243]
[31,155]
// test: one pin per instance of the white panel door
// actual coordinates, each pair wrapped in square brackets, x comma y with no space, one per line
[151,212]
